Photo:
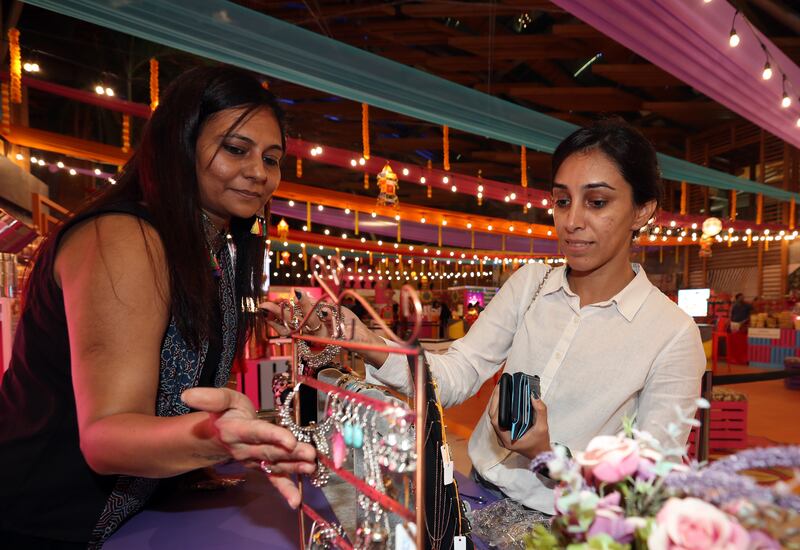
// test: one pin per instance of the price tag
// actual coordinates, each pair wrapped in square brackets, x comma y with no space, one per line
[446,453]
[460,543]
[448,473]
[404,538]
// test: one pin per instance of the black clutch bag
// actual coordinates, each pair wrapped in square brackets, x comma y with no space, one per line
[515,410]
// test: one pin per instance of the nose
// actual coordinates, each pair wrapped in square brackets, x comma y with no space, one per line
[575,216]
[255,171]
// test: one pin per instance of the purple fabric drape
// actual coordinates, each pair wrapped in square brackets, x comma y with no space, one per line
[689,39]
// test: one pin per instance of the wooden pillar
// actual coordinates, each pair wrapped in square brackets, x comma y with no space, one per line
[684,185]
[705,271]
[760,268]
[686,266]
[784,267]
[706,190]
[733,205]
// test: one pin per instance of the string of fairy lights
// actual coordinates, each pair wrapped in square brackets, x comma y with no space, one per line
[771,65]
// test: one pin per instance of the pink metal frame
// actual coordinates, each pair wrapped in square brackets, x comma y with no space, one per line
[409,302]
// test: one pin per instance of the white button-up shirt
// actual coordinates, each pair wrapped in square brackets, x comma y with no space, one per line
[635,354]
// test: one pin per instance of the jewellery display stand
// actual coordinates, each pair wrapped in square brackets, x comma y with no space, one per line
[349,404]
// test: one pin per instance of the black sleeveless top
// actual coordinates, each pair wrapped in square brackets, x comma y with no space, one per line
[46,488]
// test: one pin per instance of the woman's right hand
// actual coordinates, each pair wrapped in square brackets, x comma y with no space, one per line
[233,423]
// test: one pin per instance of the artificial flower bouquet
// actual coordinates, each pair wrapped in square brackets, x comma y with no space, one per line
[630,492]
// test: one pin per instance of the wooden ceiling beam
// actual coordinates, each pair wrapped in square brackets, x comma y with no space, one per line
[523,47]
[443,10]
[578,99]
[640,75]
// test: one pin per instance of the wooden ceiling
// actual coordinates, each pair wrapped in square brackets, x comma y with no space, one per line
[525,51]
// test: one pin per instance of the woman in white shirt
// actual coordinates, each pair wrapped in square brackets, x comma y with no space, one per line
[605,342]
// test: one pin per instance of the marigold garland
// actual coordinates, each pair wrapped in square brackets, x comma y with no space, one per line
[15,58]
[365,129]
[126,133]
[153,84]
[446,147]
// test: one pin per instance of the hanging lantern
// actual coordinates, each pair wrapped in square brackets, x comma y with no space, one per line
[712,227]
[388,185]
[153,84]
[285,257]
[366,180]
[15,69]
[299,168]
[283,230]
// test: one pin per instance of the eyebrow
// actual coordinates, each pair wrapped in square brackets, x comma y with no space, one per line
[251,142]
[596,185]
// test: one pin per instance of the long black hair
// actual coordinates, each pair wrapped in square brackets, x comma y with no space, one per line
[162,174]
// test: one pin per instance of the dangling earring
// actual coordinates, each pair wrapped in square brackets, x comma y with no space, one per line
[260,224]
[259,227]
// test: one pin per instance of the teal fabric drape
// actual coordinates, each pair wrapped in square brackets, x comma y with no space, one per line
[226,32]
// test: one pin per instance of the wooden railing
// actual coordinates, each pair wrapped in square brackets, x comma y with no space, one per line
[42,212]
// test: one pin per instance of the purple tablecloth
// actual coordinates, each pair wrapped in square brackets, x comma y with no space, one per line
[250,516]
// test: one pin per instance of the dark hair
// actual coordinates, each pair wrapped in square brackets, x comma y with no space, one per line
[162,174]
[633,155]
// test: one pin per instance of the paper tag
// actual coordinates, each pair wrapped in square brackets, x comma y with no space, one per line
[448,473]
[460,543]
[404,539]
[446,453]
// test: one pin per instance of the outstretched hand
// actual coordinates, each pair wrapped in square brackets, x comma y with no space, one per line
[249,440]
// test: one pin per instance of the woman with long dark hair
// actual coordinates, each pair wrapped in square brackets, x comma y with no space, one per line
[133,313]
[605,342]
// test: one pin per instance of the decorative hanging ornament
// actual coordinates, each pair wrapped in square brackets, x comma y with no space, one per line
[15,59]
[283,230]
[366,180]
[285,257]
[259,227]
[299,168]
[480,187]
[153,83]
[388,185]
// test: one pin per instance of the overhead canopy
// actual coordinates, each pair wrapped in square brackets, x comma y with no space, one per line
[232,34]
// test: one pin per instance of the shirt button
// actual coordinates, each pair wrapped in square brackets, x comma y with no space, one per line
[576,320]
[558,355]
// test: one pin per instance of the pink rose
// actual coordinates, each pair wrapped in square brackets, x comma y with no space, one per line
[610,458]
[610,519]
[692,524]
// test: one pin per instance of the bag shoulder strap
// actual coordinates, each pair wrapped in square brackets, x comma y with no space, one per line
[539,288]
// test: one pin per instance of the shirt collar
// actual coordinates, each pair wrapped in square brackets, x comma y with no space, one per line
[629,300]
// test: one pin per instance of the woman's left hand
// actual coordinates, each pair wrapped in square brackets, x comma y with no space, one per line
[535,441]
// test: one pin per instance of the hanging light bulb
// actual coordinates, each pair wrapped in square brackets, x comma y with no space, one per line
[767,73]
[733,40]
[786,101]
